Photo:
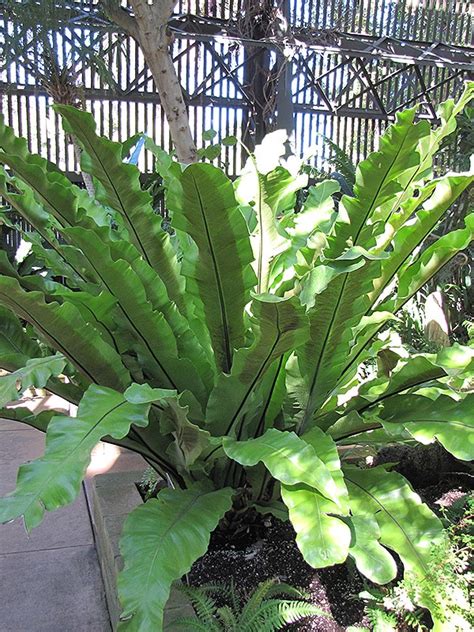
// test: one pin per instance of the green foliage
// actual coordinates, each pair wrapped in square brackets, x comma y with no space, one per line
[149,483]
[36,371]
[228,348]
[214,150]
[53,480]
[445,588]
[152,535]
[264,610]
[41,38]
[342,163]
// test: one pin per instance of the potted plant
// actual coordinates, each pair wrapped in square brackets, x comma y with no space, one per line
[227,351]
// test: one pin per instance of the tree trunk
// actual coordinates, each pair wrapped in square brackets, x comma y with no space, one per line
[171,95]
[254,24]
[148,26]
[284,98]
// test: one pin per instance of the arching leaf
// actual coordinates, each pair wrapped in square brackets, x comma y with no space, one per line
[53,480]
[322,538]
[66,331]
[155,342]
[217,268]
[342,304]
[449,421]
[406,525]
[102,158]
[36,372]
[160,541]
[289,459]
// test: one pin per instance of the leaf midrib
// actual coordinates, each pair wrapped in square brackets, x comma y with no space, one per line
[345,278]
[30,318]
[220,290]
[186,509]
[392,518]
[130,224]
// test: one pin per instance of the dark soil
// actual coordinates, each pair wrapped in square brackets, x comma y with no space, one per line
[271,552]
[334,590]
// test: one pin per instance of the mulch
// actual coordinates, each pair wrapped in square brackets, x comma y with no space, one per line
[271,551]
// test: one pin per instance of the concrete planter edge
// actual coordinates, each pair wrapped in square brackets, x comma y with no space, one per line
[111,497]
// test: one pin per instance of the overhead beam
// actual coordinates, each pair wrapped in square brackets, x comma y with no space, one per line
[352,45]
[324,91]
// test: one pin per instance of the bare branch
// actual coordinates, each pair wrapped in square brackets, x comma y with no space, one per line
[159,11]
[120,16]
[163,9]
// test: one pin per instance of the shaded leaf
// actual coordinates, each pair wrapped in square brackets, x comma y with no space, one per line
[53,480]
[102,158]
[66,331]
[36,372]
[16,347]
[178,520]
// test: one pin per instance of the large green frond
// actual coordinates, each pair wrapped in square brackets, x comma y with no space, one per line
[217,267]
[321,536]
[289,459]
[341,305]
[53,480]
[449,421]
[280,326]
[102,158]
[406,525]
[65,330]
[155,342]
[160,541]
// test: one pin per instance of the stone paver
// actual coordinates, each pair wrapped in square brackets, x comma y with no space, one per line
[18,446]
[67,527]
[58,590]
[50,581]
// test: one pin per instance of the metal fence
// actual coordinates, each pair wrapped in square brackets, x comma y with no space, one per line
[213,78]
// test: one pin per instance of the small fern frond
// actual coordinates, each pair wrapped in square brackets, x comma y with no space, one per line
[188,624]
[220,590]
[255,600]
[284,589]
[235,597]
[204,606]
[293,611]
[381,620]
[229,619]
[274,614]
[341,161]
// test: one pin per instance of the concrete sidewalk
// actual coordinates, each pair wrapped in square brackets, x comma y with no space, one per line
[50,581]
